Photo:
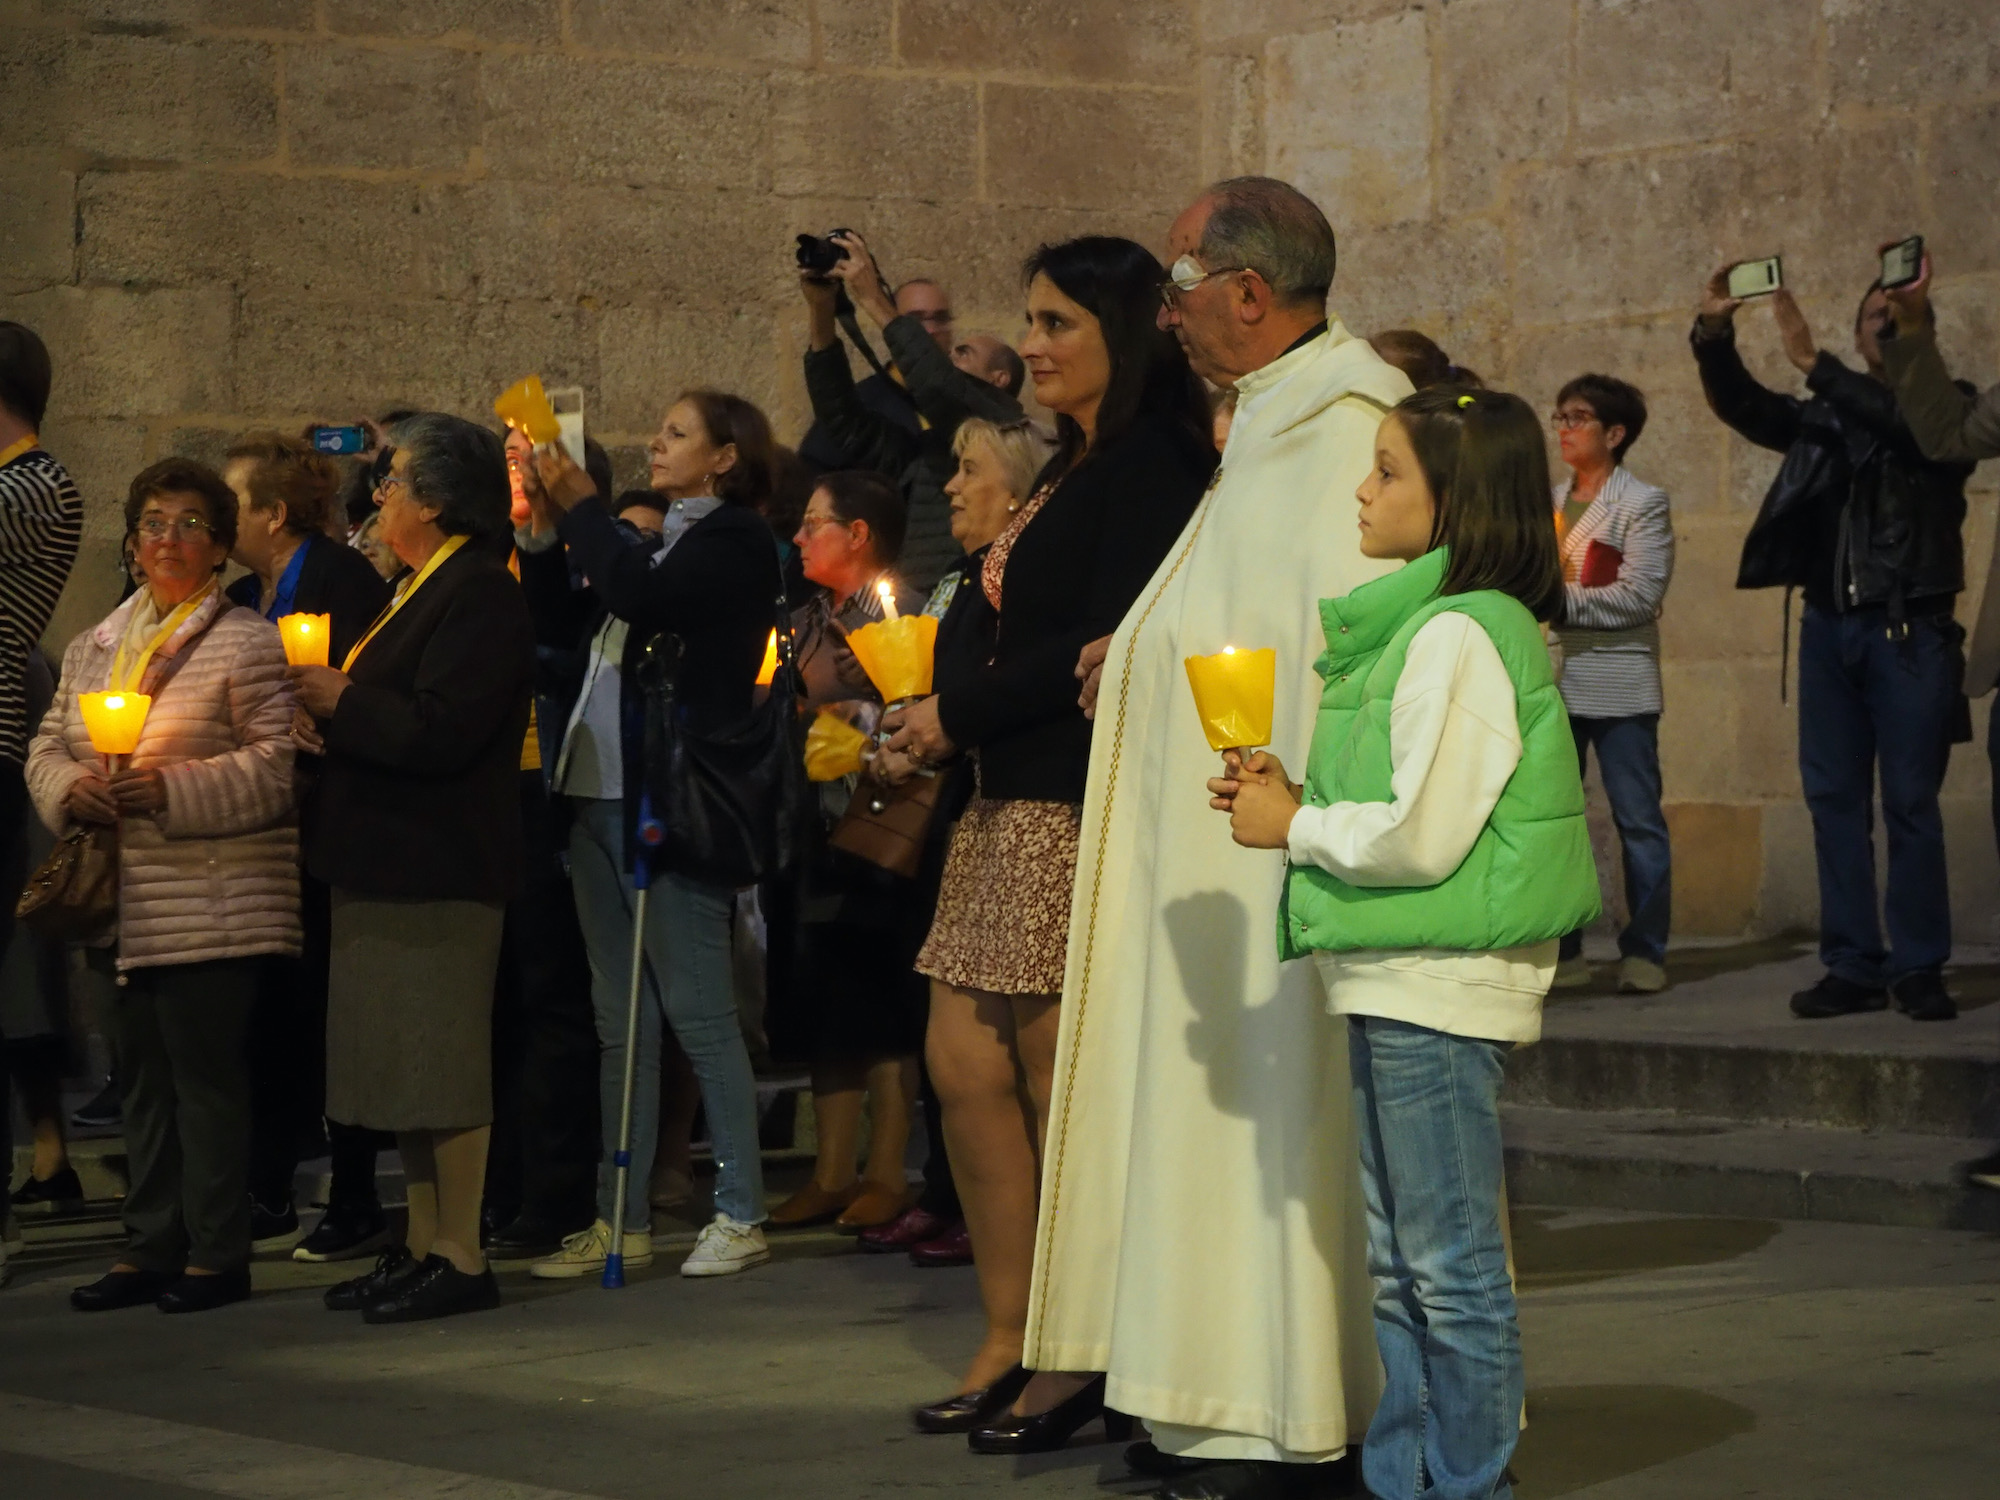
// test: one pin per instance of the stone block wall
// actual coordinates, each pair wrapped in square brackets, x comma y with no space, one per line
[226,212]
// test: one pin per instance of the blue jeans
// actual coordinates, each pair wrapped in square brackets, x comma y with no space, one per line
[1865,701]
[1628,758]
[687,946]
[1428,1107]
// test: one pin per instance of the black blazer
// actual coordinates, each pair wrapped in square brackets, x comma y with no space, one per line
[1070,578]
[333,580]
[421,796]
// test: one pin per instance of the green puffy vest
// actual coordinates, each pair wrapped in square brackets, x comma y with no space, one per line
[1529,876]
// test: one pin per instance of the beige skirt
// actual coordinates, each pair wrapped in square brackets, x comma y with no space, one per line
[409,1013]
[1002,919]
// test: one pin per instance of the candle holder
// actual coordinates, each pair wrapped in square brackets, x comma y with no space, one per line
[305,638]
[525,405]
[1235,694]
[897,655]
[113,721]
[834,748]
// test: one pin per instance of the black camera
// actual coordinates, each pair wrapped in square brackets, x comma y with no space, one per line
[819,254]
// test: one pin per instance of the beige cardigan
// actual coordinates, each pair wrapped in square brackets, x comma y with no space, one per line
[215,875]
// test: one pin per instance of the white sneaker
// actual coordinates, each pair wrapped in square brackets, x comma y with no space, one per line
[1640,976]
[1571,973]
[726,1247]
[584,1253]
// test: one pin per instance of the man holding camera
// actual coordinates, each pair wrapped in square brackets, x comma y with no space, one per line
[942,380]
[1869,529]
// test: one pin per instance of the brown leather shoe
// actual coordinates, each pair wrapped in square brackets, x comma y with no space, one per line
[877,1203]
[811,1204]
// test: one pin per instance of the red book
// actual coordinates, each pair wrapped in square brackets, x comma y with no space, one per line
[1601,562]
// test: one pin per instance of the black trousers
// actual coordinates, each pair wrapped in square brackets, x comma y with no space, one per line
[180,1034]
[14,817]
[546,1138]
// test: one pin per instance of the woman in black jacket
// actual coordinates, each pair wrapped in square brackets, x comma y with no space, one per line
[1134,454]
[285,497]
[715,587]
[416,826]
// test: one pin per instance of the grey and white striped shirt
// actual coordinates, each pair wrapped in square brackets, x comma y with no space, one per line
[1611,638]
[41,521]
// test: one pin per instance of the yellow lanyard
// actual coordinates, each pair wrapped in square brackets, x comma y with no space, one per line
[127,681]
[14,450]
[403,594]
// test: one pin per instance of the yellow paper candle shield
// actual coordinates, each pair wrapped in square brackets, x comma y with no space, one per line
[525,405]
[113,720]
[305,638]
[1235,693]
[834,748]
[897,655]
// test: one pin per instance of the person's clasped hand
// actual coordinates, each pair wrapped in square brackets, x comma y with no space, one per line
[1090,672]
[319,689]
[139,794]
[918,733]
[89,800]
[305,733]
[1259,798]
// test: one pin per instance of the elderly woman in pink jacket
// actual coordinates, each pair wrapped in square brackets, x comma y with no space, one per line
[208,859]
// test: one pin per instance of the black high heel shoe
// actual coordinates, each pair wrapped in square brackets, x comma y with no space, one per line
[1049,1430]
[974,1408]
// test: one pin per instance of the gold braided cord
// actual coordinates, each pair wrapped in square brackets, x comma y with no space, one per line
[1096,889]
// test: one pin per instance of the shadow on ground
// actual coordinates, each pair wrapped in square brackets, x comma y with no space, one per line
[1581,1435]
[1549,1254]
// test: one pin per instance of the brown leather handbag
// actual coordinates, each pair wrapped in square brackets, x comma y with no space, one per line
[73,894]
[889,825]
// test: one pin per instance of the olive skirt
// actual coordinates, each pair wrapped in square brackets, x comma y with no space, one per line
[409,1016]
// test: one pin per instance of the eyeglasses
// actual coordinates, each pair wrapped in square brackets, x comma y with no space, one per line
[811,524]
[382,485]
[1186,275]
[1569,421]
[194,528]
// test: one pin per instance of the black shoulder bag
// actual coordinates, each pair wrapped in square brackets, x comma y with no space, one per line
[727,807]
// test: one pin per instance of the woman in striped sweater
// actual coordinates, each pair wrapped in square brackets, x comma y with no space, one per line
[1617,542]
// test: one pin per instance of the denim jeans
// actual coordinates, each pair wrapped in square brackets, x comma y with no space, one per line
[1866,700]
[1628,758]
[688,982]
[1428,1108]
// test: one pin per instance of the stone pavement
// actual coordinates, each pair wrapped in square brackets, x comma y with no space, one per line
[1668,1357]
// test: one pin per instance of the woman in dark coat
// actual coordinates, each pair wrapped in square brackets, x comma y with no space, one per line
[1133,456]
[416,826]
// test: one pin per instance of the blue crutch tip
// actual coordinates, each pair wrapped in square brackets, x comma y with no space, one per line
[614,1271]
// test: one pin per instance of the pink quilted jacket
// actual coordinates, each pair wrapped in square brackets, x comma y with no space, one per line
[216,875]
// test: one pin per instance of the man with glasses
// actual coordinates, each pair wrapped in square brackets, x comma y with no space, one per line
[902,425]
[1216,1084]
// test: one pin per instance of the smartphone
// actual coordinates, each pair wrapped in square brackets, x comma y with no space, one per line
[566,402]
[1903,263]
[1755,278]
[340,439]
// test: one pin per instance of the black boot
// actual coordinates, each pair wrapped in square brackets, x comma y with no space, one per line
[1922,997]
[437,1289]
[1834,996]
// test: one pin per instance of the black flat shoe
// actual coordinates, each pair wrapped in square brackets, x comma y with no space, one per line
[1148,1462]
[1834,996]
[438,1289]
[200,1293]
[1052,1429]
[1251,1479]
[116,1289]
[974,1408]
[391,1266]
[530,1237]
[56,1194]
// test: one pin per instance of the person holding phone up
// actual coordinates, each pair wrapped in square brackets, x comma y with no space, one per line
[1869,529]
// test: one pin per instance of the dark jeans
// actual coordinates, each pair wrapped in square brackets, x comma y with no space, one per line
[1628,758]
[288,1073]
[14,815]
[543,1160]
[1868,701]
[180,1033]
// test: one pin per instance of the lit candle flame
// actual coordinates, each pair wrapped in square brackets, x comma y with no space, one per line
[888,597]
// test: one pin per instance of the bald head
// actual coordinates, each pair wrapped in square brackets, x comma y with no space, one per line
[989,359]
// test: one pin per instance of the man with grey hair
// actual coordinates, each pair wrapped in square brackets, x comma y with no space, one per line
[1201,1234]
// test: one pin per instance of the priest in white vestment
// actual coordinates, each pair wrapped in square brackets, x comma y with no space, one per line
[1201,1234]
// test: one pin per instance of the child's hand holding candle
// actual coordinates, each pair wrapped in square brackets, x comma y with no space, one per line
[1259,798]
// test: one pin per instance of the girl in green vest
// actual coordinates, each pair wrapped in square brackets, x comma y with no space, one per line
[1437,853]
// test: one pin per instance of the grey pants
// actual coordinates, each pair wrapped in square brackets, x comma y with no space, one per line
[181,1033]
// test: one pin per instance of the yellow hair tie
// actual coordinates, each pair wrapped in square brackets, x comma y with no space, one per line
[1463,402]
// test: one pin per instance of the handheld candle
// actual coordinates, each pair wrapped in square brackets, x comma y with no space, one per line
[897,654]
[305,638]
[114,720]
[768,672]
[1235,695]
[525,405]
[834,748]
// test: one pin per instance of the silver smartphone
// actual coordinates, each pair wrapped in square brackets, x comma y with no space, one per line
[1756,278]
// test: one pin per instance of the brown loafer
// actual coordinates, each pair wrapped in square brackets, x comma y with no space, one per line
[876,1204]
[811,1204]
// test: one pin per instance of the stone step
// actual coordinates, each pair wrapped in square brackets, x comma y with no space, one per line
[1725,1044]
[1670,1162]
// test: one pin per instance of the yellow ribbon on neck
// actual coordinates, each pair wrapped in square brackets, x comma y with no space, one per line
[404,594]
[126,678]
[14,450]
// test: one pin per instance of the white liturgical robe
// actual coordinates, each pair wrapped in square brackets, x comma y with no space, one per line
[1201,1234]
